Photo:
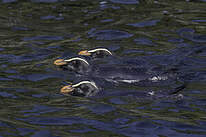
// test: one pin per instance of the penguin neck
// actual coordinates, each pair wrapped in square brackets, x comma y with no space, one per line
[86,90]
[83,69]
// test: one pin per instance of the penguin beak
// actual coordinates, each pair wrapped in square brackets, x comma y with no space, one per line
[66,89]
[60,62]
[84,52]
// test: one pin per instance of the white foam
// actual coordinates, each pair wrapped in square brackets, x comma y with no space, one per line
[158,78]
[129,81]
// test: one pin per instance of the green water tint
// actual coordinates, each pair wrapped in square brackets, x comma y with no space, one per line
[164,33]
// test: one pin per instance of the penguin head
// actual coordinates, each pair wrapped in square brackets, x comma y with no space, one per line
[76,64]
[81,89]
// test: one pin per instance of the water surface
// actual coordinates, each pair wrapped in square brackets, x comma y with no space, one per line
[168,34]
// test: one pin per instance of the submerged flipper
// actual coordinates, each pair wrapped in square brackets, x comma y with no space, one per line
[169,93]
[177,89]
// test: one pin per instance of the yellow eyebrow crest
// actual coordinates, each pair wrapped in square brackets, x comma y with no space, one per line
[85,82]
[100,49]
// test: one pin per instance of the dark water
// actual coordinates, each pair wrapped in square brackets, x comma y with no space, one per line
[33,33]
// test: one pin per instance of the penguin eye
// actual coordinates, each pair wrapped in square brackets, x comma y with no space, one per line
[98,52]
[74,62]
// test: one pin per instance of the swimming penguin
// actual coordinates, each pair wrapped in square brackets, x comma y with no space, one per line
[82,89]
[96,53]
[100,53]
[90,88]
[113,73]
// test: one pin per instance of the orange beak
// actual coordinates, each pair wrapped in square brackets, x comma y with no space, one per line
[60,62]
[66,89]
[84,52]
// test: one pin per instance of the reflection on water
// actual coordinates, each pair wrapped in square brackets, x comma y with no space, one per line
[155,34]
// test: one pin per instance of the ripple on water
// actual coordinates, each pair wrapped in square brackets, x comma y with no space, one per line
[182,31]
[39,109]
[144,41]
[8,95]
[200,20]
[117,100]
[18,28]
[11,71]
[43,38]
[130,51]
[189,34]
[198,38]
[5,79]
[50,17]
[110,34]
[40,95]
[65,121]
[45,1]
[124,128]
[121,120]
[42,133]
[83,130]
[125,1]
[36,77]
[39,77]
[144,23]
[175,40]
[8,1]
[106,20]
[25,131]
[101,108]
[2,124]
[38,55]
